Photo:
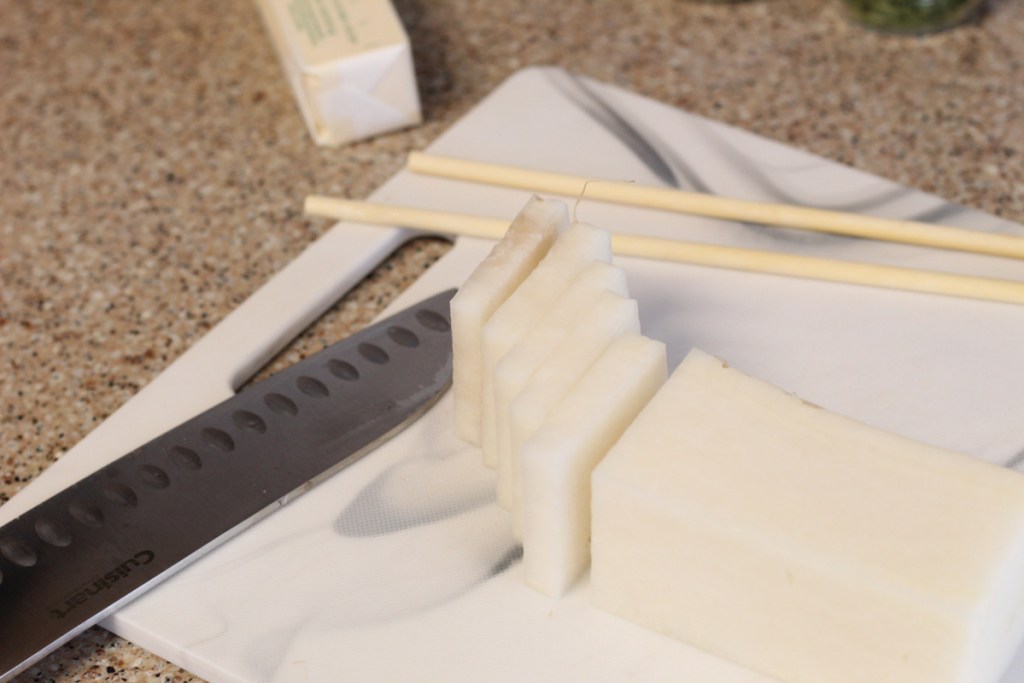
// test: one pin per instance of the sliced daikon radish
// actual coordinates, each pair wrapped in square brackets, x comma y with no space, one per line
[558,461]
[512,259]
[608,317]
[515,368]
[578,246]
[803,544]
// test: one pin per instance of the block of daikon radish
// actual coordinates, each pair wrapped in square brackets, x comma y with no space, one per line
[558,460]
[605,319]
[518,365]
[512,259]
[803,544]
[578,246]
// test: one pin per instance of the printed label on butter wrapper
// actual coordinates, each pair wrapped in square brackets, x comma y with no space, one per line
[349,63]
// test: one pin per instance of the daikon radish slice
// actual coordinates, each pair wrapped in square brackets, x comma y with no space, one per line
[574,249]
[515,368]
[512,259]
[558,460]
[803,544]
[605,319]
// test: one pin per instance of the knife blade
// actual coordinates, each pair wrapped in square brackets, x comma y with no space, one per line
[80,555]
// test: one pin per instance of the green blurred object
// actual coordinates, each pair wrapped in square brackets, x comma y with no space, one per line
[911,16]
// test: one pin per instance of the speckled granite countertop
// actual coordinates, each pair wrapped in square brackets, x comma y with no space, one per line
[153,164]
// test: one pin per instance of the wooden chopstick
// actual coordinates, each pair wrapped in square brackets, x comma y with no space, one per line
[733,258]
[783,215]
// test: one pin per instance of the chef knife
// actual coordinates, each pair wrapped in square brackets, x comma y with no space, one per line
[77,557]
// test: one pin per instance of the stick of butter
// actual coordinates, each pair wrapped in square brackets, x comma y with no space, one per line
[349,63]
[803,544]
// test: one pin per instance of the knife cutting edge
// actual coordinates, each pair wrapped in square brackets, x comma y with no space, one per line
[90,549]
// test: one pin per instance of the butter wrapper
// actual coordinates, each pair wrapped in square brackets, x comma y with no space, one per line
[349,63]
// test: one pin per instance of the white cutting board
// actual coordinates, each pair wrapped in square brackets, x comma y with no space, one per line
[402,567]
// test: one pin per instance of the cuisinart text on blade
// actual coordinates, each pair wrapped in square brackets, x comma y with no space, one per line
[80,555]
